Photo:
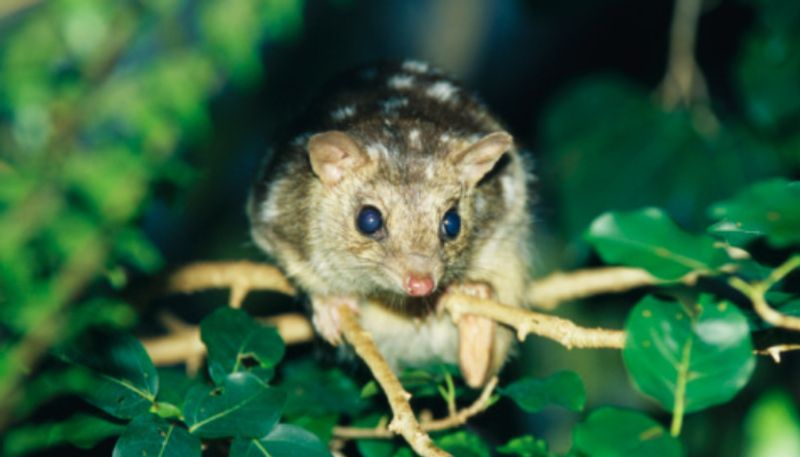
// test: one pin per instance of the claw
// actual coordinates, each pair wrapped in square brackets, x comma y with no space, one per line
[326,318]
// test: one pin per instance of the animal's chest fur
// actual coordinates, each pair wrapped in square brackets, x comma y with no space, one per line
[411,342]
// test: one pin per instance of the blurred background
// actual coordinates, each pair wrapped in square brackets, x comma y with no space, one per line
[130,131]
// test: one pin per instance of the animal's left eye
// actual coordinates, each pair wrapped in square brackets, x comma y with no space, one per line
[451,224]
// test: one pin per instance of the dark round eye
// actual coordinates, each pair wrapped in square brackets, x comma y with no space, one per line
[451,224]
[369,220]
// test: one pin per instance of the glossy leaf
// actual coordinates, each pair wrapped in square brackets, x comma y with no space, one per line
[125,379]
[150,435]
[174,385]
[525,446]
[235,342]
[564,389]
[649,239]
[464,444]
[691,359]
[315,391]
[243,406]
[283,441]
[769,208]
[612,432]
[321,426]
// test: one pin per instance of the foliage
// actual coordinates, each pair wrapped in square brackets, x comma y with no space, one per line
[105,111]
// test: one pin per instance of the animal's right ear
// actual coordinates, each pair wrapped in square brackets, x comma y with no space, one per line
[334,155]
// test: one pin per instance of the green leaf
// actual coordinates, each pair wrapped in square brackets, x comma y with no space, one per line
[376,447]
[772,427]
[790,305]
[464,444]
[235,341]
[96,176]
[564,388]
[688,360]
[612,432]
[321,426]
[611,146]
[526,446]
[79,430]
[426,381]
[125,379]
[649,239]
[316,392]
[174,385]
[242,407]
[404,451]
[133,246]
[151,435]
[769,208]
[283,441]
[769,67]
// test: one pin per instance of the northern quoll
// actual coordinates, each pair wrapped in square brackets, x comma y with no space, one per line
[398,186]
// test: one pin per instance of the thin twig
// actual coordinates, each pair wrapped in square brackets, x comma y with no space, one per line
[776,351]
[550,291]
[454,419]
[684,83]
[681,84]
[239,276]
[561,330]
[403,422]
[755,293]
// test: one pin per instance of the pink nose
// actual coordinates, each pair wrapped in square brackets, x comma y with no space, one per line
[417,286]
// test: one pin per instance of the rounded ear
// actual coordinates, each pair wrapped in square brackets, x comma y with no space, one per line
[478,159]
[333,155]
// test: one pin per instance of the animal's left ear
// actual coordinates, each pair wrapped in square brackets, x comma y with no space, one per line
[474,161]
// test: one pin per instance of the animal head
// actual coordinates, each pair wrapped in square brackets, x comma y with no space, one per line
[397,217]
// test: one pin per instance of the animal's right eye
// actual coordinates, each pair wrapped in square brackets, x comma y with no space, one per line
[369,220]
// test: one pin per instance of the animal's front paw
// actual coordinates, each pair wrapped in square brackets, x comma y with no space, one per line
[475,337]
[326,318]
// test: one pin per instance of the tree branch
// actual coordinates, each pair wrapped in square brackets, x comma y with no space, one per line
[404,422]
[241,277]
[755,293]
[684,83]
[550,291]
[524,321]
[454,419]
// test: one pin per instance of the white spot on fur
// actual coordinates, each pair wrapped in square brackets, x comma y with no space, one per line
[269,210]
[445,138]
[413,139]
[430,171]
[442,91]
[480,204]
[507,183]
[393,104]
[376,151]
[401,82]
[343,113]
[415,66]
